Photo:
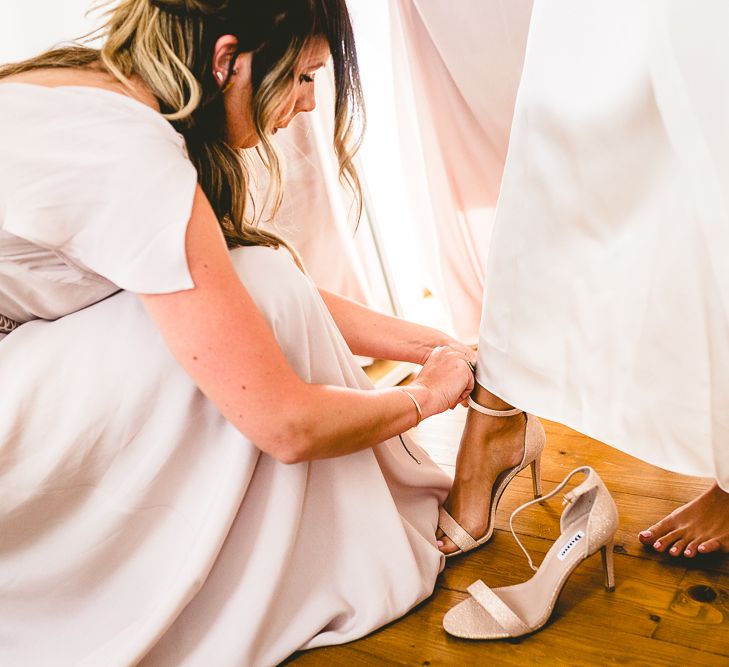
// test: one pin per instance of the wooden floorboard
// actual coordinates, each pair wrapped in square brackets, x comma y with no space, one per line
[664,611]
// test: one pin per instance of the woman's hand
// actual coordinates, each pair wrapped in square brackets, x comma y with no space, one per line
[468,352]
[447,377]
[464,349]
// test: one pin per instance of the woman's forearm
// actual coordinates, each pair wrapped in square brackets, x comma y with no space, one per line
[373,334]
[329,421]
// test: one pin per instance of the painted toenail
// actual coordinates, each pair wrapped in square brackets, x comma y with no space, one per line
[674,550]
[687,552]
[656,545]
[702,547]
[646,533]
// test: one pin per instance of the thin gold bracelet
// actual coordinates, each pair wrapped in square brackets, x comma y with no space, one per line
[415,402]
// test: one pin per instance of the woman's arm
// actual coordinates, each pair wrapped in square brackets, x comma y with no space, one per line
[373,334]
[219,336]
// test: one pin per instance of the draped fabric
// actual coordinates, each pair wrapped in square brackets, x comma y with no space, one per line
[607,292]
[454,76]
[317,215]
[457,69]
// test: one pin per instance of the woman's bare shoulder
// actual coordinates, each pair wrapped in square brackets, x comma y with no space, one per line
[62,76]
[53,77]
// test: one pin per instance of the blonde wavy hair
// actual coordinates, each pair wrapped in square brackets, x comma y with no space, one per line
[169,45]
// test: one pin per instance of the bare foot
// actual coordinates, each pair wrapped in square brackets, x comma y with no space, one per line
[699,527]
[489,445]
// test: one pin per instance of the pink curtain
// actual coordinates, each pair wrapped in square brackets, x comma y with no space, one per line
[455,73]
[457,68]
[317,216]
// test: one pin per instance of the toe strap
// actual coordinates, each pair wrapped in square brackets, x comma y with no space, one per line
[455,531]
[497,609]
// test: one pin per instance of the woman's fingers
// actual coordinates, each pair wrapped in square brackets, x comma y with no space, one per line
[446,371]
[466,350]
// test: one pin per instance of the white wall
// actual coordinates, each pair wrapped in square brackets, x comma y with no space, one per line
[28,27]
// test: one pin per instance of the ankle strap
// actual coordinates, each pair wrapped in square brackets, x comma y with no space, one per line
[586,470]
[493,413]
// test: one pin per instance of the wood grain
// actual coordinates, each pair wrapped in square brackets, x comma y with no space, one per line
[664,611]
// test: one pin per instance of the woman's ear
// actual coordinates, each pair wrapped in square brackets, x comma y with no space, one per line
[225,49]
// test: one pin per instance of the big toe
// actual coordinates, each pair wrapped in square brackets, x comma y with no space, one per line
[446,545]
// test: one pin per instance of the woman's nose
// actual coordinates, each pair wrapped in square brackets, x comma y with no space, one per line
[307,101]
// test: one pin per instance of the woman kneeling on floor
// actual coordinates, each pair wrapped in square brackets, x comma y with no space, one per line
[167,360]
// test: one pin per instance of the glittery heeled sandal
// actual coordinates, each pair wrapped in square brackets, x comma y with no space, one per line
[534,441]
[588,525]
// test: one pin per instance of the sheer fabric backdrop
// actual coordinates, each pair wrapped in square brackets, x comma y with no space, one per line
[458,71]
[440,81]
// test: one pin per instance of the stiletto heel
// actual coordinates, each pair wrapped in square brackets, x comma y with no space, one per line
[606,552]
[537,476]
[588,525]
[534,441]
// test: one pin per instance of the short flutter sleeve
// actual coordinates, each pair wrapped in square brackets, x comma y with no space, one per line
[101,180]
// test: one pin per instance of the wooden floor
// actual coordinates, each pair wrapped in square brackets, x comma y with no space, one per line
[664,611]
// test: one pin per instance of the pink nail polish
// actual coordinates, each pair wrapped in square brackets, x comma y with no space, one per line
[646,533]
[656,545]
[702,547]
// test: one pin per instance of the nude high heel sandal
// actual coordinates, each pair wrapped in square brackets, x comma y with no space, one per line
[534,441]
[588,525]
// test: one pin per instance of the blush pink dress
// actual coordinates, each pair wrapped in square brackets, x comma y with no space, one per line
[137,526]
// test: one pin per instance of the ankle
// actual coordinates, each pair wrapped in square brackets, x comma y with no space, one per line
[488,400]
[492,446]
[479,425]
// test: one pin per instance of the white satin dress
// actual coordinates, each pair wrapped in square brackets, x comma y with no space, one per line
[607,291]
[137,526]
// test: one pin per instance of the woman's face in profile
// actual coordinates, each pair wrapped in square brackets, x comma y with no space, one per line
[238,97]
